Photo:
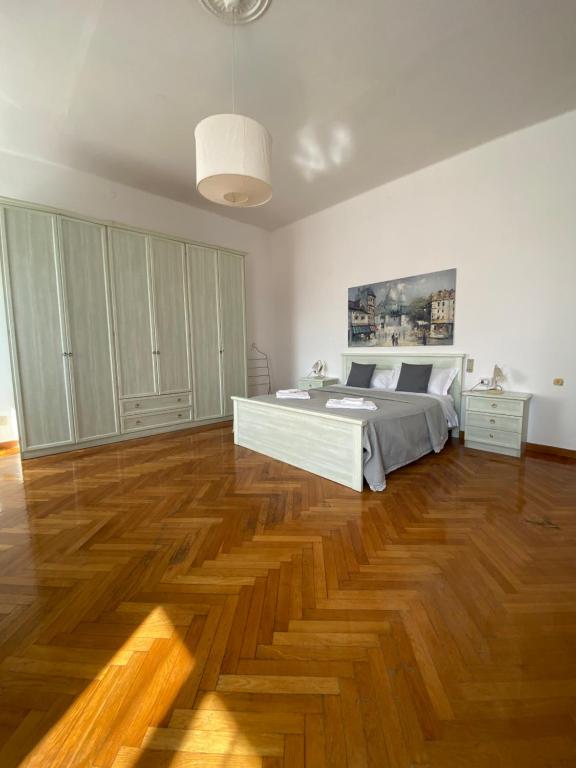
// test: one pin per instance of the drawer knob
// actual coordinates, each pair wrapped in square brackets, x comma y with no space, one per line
[136,405]
[491,435]
[179,415]
[492,421]
[494,405]
[179,400]
[138,421]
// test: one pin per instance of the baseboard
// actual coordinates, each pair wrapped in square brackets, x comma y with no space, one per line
[550,450]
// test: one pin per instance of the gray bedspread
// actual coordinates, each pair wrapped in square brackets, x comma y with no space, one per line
[400,431]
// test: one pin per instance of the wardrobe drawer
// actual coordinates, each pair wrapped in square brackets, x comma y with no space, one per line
[150,420]
[494,421]
[156,403]
[493,436]
[496,405]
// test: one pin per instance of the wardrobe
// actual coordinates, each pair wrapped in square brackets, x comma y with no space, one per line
[114,332]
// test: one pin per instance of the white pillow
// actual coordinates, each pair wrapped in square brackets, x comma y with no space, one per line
[441,380]
[385,379]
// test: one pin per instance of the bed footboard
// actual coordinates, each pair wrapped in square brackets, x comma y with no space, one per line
[324,444]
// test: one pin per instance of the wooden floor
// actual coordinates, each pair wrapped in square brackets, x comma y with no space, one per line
[177,601]
[9,449]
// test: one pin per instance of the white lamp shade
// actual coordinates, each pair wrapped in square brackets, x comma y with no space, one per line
[233,161]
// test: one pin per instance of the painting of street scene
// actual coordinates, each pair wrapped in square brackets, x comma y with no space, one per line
[412,311]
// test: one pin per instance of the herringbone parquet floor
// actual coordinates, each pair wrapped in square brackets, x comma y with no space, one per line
[178,601]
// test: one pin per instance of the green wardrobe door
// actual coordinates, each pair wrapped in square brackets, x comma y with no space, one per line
[204,331]
[84,263]
[39,336]
[232,328]
[171,314]
[135,344]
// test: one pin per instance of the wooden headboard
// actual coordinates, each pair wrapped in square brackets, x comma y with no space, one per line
[385,360]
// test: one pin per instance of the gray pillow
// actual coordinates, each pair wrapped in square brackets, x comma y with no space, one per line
[414,378]
[360,375]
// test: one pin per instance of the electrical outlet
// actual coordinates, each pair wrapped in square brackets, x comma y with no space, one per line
[470,365]
[558,382]
[3,420]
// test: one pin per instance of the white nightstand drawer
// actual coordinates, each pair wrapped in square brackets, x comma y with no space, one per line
[150,420]
[494,437]
[494,421]
[495,405]
[310,382]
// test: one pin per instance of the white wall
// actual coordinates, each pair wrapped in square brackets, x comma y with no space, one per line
[504,215]
[53,185]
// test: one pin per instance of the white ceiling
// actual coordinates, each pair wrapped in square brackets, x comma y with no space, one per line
[354,92]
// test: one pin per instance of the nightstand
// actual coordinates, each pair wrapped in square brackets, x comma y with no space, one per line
[496,422]
[315,382]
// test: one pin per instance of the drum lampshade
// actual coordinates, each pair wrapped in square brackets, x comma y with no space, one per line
[233,160]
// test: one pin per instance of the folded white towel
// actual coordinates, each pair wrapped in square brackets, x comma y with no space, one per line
[292,394]
[353,400]
[365,405]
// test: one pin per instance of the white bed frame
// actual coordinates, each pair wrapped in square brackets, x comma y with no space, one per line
[324,443]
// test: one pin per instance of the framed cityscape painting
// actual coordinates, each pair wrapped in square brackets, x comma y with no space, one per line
[409,312]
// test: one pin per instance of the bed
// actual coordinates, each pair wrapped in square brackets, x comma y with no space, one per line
[346,446]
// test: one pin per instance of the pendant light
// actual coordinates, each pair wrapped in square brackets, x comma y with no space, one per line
[233,151]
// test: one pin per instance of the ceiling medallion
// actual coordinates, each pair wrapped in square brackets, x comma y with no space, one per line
[236,11]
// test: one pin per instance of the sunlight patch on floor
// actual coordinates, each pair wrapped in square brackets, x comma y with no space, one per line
[154,661]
